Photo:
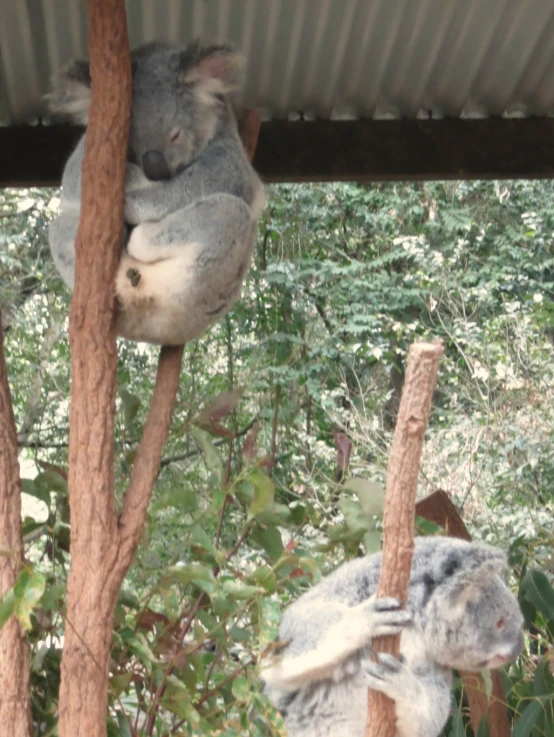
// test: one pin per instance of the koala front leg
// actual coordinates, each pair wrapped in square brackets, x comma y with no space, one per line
[215,222]
[352,630]
[421,695]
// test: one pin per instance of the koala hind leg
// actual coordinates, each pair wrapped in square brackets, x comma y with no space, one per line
[421,694]
[213,221]
[182,273]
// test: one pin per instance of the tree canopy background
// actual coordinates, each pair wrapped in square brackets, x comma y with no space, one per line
[274,469]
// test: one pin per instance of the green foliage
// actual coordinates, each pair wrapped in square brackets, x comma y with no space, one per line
[274,468]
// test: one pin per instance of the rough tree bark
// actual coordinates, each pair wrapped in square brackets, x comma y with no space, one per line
[103,544]
[400,494]
[15,703]
[438,508]
[91,594]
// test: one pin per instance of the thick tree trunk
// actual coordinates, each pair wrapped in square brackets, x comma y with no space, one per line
[91,596]
[398,520]
[102,544]
[15,704]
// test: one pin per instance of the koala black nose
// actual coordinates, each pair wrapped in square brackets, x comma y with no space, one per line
[155,166]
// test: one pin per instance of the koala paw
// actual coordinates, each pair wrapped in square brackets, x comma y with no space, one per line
[384,615]
[135,178]
[390,675]
[137,188]
[134,276]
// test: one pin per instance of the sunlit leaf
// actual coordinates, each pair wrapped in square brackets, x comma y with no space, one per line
[241,688]
[237,590]
[130,404]
[269,618]
[211,455]
[200,575]
[371,495]
[264,489]
[6,607]
[28,590]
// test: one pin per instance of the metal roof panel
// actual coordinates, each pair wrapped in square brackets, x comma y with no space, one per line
[318,58]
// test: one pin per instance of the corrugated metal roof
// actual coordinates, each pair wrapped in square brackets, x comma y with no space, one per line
[320,58]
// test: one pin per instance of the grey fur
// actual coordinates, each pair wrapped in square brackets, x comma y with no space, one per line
[459,614]
[192,199]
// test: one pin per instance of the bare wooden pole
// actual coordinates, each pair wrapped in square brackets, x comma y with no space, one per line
[400,495]
[15,699]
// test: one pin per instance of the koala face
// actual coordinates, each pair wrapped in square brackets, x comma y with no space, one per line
[472,621]
[177,107]
[177,104]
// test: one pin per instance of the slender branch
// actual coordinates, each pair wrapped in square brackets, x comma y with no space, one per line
[145,468]
[230,677]
[239,542]
[136,499]
[160,691]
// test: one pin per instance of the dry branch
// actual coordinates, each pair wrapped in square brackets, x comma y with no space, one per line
[398,521]
[15,698]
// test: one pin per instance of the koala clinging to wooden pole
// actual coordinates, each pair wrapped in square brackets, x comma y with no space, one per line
[192,199]
[459,614]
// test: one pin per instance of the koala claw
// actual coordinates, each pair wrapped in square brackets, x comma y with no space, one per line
[134,276]
[385,616]
[386,674]
[386,603]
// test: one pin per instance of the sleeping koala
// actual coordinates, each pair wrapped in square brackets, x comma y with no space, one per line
[459,614]
[192,198]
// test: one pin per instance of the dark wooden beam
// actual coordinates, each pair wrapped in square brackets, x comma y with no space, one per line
[362,150]
[368,150]
[34,156]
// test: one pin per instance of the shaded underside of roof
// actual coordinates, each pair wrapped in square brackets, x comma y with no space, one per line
[318,58]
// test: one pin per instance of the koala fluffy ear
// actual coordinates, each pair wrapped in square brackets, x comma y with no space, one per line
[70,96]
[215,69]
[480,563]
